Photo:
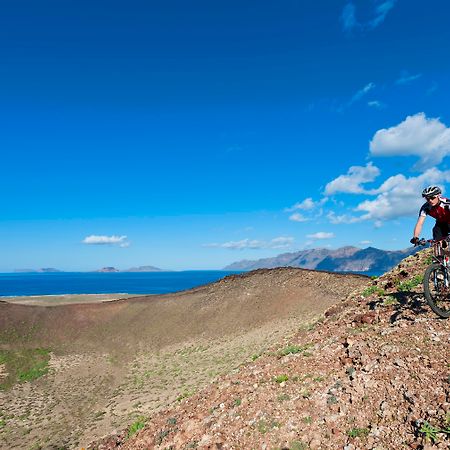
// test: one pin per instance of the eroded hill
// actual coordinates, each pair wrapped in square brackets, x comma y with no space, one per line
[373,375]
[117,362]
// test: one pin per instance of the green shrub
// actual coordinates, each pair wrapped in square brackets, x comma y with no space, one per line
[372,290]
[358,432]
[24,365]
[264,426]
[184,395]
[298,445]
[389,300]
[294,349]
[410,284]
[281,378]
[136,426]
[429,431]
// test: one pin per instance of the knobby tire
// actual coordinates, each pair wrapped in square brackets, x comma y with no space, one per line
[435,293]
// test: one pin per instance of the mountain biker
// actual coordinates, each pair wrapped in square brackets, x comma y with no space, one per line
[437,207]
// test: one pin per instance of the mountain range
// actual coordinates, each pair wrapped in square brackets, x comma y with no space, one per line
[369,260]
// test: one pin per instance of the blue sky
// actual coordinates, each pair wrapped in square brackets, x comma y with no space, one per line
[188,135]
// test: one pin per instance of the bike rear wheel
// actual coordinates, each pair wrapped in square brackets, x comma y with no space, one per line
[437,294]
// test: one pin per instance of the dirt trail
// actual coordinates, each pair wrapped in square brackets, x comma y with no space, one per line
[115,362]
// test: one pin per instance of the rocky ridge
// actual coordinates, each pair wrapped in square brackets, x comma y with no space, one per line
[373,374]
[369,260]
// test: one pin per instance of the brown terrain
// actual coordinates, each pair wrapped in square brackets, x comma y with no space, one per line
[115,364]
[374,373]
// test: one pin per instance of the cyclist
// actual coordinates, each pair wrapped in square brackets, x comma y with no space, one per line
[437,207]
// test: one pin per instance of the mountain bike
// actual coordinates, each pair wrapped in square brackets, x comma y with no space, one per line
[436,279]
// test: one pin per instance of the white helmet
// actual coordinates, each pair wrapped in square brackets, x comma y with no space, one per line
[431,191]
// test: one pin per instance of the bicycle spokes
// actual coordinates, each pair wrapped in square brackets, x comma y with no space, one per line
[436,288]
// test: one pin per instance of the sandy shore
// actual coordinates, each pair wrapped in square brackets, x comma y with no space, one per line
[66,299]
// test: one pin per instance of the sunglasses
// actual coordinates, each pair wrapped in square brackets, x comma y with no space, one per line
[430,198]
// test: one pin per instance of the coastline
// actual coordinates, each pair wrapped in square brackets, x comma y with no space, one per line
[65,299]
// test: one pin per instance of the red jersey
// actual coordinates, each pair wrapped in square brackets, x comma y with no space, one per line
[441,212]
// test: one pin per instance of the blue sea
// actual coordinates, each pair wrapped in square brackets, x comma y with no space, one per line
[17,284]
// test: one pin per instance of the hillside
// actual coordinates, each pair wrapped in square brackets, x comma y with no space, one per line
[111,363]
[373,374]
[344,259]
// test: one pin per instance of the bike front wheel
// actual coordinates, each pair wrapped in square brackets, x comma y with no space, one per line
[437,294]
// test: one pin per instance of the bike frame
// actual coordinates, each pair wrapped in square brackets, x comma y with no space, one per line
[441,255]
[436,279]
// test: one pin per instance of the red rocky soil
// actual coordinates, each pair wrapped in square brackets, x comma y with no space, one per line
[374,374]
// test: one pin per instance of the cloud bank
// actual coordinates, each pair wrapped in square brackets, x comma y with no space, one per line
[417,135]
[246,244]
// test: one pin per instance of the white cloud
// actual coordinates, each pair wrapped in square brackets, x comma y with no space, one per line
[399,196]
[358,95]
[406,78]
[281,242]
[343,218]
[93,239]
[381,12]
[244,244]
[351,183]
[350,22]
[320,235]
[297,217]
[365,242]
[362,92]
[376,104]
[429,139]
[307,204]
[348,17]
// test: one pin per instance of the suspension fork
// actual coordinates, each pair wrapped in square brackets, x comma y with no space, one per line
[445,264]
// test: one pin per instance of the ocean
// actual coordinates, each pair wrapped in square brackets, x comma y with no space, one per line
[59,283]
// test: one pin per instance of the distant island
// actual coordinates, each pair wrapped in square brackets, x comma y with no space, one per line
[145,269]
[107,269]
[345,259]
[42,270]
[132,269]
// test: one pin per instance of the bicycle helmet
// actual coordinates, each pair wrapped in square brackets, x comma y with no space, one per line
[431,191]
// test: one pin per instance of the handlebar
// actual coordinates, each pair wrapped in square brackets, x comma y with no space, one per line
[422,241]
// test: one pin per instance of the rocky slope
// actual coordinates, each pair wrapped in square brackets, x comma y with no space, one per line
[373,374]
[112,362]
